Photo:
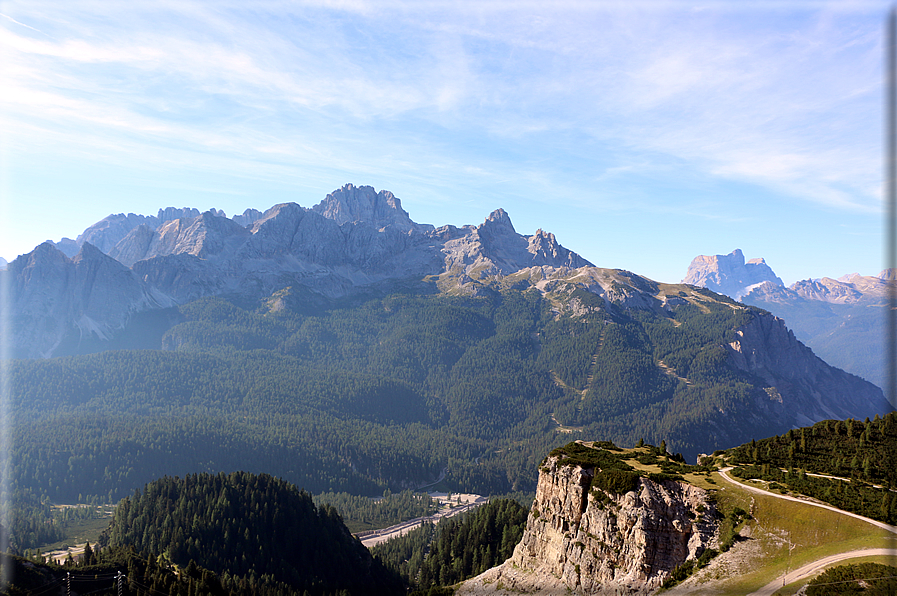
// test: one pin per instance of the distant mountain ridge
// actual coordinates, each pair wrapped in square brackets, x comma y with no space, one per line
[729,274]
[354,240]
[841,319]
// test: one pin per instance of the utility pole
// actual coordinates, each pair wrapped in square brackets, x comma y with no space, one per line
[68,583]
[118,581]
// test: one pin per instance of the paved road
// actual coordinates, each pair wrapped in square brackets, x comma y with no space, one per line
[403,528]
[814,566]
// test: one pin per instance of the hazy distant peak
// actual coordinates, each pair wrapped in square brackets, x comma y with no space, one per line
[729,274]
[249,217]
[67,246]
[847,278]
[170,213]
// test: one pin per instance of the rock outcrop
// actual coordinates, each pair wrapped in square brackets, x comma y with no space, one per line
[581,539]
[495,248]
[54,299]
[841,319]
[802,389]
[729,274]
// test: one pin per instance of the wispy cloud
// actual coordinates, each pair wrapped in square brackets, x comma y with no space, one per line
[573,101]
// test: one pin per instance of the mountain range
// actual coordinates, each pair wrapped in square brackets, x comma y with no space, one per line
[355,240]
[346,347]
[841,319]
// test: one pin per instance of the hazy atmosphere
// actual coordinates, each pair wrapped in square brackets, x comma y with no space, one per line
[641,134]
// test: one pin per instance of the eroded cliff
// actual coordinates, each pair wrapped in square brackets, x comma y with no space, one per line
[599,530]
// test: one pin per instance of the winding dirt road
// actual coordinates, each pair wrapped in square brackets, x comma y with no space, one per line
[816,566]
[805,501]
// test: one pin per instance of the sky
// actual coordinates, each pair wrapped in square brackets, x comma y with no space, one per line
[641,134]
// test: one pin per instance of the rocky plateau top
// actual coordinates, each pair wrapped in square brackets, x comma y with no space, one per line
[581,539]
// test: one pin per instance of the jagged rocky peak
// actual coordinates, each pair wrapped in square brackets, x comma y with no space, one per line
[500,221]
[170,213]
[494,248]
[852,288]
[249,217]
[357,204]
[3,264]
[112,229]
[586,534]
[729,274]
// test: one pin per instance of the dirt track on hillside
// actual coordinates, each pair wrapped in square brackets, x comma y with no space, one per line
[814,567]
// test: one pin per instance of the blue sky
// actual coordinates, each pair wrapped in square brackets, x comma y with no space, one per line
[641,133]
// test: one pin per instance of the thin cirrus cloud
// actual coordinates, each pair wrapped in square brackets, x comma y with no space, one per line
[506,97]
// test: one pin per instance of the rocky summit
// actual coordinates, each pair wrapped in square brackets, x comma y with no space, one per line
[355,240]
[729,274]
[840,319]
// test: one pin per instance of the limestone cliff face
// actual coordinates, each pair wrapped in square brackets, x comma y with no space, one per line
[53,298]
[802,389]
[729,274]
[584,540]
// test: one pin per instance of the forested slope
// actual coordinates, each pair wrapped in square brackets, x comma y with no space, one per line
[390,391]
[251,527]
[848,463]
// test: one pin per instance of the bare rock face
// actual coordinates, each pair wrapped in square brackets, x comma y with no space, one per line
[134,246]
[802,389]
[495,248]
[583,540]
[352,204]
[729,274]
[54,298]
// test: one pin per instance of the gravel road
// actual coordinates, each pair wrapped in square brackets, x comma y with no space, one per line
[818,565]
